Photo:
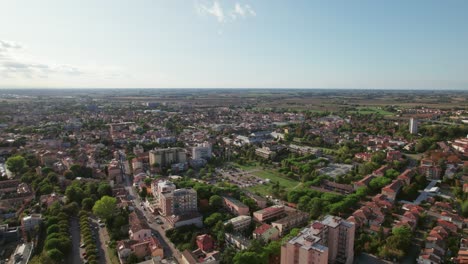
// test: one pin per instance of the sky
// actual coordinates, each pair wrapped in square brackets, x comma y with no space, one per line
[370,44]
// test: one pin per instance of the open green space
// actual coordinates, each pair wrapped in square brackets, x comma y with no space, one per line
[246,167]
[371,110]
[262,189]
[276,176]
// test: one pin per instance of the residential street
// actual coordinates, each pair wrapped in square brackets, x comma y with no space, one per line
[75,256]
[158,230]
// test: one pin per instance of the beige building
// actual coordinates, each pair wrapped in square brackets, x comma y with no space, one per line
[294,219]
[328,241]
[269,213]
[168,156]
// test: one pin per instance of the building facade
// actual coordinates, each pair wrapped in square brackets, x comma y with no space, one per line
[330,240]
[202,151]
[413,126]
[178,202]
[166,157]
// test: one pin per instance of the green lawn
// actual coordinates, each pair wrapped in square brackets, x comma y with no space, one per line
[246,167]
[262,189]
[275,176]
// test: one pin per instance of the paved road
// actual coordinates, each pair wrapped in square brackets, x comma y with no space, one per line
[75,256]
[158,230]
[101,241]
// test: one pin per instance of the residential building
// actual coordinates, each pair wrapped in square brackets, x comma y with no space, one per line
[148,247]
[392,190]
[266,232]
[30,222]
[235,206]
[138,227]
[269,213]
[261,201]
[202,151]
[240,222]
[330,240]
[294,219]
[265,152]
[193,218]
[205,242]
[430,169]
[166,157]
[178,202]
[413,126]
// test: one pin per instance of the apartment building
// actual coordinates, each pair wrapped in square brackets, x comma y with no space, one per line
[240,222]
[166,157]
[235,206]
[269,213]
[178,202]
[202,151]
[294,219]
[330,240]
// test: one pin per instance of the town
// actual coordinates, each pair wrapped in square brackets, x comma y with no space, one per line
[233,176]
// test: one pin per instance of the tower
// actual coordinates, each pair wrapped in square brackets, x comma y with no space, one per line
[413,126]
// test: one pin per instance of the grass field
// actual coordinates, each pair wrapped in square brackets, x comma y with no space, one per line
[371,110]
[275,176]
[263,189]
[247,167]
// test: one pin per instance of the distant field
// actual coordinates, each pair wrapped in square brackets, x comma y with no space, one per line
[371,110]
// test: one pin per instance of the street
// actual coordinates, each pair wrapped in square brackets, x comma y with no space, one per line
[75,256]
[157,230]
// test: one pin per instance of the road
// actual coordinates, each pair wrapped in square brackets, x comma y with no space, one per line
[170,251]
[101,243]
[75,256]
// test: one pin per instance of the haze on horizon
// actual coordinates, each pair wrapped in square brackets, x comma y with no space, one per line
[234,43]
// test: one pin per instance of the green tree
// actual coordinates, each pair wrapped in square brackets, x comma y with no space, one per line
[55,255]
[104,189]
[247,257]
[16,164]
[143,193]
[464,208]
[213,219]
[74,193]
[216,201]
[87,204]
[105,208]
[53,229]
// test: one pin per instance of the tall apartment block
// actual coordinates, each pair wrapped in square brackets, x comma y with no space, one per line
[178,202]
[330,240]
[202,151]
[168,156]
[413,126]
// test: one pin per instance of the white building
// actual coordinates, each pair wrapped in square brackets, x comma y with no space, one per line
[30,222]
[202,151]
[240,222]
[413,126]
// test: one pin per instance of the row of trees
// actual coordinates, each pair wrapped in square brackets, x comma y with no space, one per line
[57,244]
[88,238]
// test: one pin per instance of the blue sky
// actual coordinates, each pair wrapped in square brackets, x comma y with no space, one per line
[234,43]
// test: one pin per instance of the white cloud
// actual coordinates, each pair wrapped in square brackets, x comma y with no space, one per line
[214,8]
[242,11]
[18,66]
